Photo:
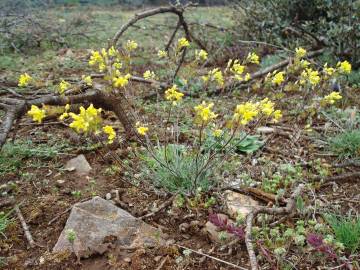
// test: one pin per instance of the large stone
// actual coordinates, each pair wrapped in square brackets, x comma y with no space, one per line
[97,220]
[79,164]
[237,203]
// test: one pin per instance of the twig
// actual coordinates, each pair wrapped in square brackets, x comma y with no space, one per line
[163,206]
[25,227]
[211,257]
[288,209]
[342,177]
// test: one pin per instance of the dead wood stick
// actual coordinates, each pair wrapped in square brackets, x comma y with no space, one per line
[212,257]
[161,207]
[148,13]
[25,227]
[341,177]
[288,209]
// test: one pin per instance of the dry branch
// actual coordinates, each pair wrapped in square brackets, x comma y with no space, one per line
[148,13]
[25,227]
[288,209]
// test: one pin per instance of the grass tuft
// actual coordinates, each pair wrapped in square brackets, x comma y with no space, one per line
[346,144]
[347,231]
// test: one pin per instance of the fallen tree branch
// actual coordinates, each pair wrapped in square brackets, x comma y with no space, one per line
[25,227]
[148,13]
[337,178]
[288,209]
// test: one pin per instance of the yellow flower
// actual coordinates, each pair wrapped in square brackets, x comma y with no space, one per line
[109,130]
[173,95]
[244,113]
[142,130]
[344,67]
[96,59]
[63,86]
[131,45]
[88,120]
[203,113]
[162,54]
[304,63]
[217,133]
[328,70]
[267,107]
[277,115]
[67,107]
[117,65]
[87,80]
[300,52]
[182,43]
[332,97]
[112,51]
[36,113]
[278,78]
[247,77]
[310,75]
[237,68]
[253,58]
[24,80]
[215,75]
[201,55]
[63,116]
[149,75]
[121,81]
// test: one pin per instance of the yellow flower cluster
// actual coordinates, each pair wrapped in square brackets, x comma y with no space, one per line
[172,94]
[87,80]
[253,58]
[162,54]
[329,71]
[332,97]
[63,86]
[142,130]
[278,77]
[149,75]
[65,114]
[203,113]
[36,113]
[215,75]
[88,120]
[98,59]
[344,67]
[300,53]
[247,112]
[24,80]
[109,130]
[120,80]
[182,43]
[217,133]
[130,45]
[311,76]
[201,55]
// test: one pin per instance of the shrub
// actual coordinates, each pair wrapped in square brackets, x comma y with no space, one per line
[290,23]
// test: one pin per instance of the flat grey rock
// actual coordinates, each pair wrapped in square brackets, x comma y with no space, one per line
[98,220]
[78,164]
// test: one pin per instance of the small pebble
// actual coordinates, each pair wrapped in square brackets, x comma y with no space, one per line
[108,196]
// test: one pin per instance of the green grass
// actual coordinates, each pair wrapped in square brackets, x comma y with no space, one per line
[346,144]
[14,155]
[347,231]
[4,222]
